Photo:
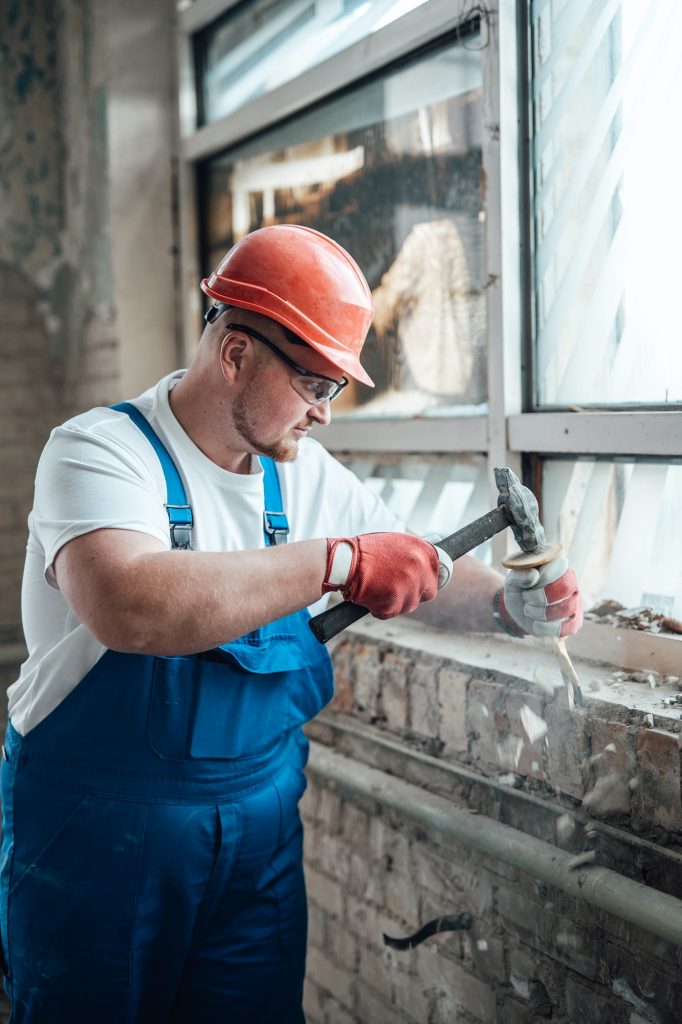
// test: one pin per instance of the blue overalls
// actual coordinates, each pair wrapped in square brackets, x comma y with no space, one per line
[152,848]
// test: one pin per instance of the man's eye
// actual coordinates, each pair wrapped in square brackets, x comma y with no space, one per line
[317,389]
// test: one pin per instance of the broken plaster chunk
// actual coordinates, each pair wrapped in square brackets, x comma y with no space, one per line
[509,751]
[609,795]
[546,678]
[508,779]
[565,828]
[534,726]
[610,748]
[633,784]
[482,945]
[581,860]
[649,721]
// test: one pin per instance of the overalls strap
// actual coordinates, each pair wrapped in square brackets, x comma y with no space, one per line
[275,522]
[179,511]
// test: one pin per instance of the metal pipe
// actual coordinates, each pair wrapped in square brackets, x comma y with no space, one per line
[647,908]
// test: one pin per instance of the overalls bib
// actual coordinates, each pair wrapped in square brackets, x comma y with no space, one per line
[152,848]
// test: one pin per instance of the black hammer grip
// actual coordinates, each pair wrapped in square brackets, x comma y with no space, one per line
[330,622]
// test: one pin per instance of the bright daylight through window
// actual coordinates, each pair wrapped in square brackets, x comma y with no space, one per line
[606,214]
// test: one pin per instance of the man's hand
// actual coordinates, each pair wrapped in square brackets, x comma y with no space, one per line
[545,601]
[388,573]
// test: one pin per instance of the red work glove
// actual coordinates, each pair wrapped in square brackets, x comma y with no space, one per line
[388,573]
[545,601]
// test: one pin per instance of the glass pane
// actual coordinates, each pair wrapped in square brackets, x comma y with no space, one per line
[606,81]
[437,495]
[619,522]
[259,46]
[391,170]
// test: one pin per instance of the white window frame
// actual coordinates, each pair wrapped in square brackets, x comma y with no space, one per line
[510,428]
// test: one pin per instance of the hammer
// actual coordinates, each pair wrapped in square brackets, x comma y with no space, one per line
[516,507]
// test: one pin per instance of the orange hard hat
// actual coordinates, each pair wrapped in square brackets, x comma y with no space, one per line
[306,282]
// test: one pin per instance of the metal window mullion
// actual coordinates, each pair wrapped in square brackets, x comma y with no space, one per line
[502,203]
[429,434]
[202,12]
[634,433]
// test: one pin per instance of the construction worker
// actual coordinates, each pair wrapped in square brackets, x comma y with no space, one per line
[152,768]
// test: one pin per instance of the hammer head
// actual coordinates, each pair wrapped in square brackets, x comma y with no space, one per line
[521,508]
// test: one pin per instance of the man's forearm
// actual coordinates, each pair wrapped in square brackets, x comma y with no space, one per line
[182,602]
[466,603]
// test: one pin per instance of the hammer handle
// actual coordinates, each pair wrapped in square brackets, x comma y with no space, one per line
[330,622]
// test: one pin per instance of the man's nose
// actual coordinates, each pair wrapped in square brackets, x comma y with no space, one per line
[321,412]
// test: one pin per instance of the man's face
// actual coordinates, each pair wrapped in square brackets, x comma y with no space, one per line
[269,412]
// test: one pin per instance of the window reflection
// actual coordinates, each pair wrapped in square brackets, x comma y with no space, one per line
[258,46]
[392,171]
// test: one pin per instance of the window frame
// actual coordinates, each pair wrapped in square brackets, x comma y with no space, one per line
[512,432]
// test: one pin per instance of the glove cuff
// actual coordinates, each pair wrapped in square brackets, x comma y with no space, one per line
[333,545]
[503,619]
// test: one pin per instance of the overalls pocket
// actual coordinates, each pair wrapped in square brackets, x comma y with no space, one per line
[230,703]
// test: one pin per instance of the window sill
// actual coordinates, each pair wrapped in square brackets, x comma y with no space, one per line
[596,652]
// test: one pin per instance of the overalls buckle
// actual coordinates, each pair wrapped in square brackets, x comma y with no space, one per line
[276,525]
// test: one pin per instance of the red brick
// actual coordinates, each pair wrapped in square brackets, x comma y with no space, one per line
[568,747]
[331,978]
[452,703]
[393,686]
[658,759]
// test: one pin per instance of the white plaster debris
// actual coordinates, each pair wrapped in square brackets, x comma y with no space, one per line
[565,828]
[534,726]
[649,721]
[507,780]
[509,751]
[482,945]
[621,987]
[581,859]
[568,940]
[520,986]
[609,795]
[535,766]
[633,784]
[546,678]
[610,748]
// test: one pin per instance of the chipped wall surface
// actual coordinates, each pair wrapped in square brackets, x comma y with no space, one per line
[601,781]
[71,320]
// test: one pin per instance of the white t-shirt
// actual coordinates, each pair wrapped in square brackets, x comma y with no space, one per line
[99,470]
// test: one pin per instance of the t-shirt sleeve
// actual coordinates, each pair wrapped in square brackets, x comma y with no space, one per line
[92,478]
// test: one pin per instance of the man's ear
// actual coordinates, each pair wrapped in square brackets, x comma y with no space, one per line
[235,351]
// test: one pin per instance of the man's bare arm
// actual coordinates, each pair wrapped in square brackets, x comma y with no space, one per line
[135,596]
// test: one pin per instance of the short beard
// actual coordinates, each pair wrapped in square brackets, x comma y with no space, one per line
[281,451]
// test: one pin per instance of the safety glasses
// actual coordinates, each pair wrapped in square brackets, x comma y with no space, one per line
[312,387]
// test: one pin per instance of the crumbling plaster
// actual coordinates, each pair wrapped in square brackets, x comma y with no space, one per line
[53,166]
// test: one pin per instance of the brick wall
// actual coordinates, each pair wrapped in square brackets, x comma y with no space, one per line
[533,952]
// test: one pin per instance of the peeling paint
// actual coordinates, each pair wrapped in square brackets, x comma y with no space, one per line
[54,164]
